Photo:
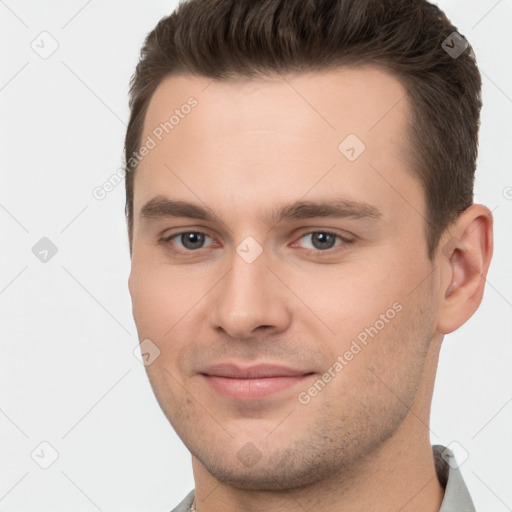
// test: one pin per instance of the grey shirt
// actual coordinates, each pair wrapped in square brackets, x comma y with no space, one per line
[456,494]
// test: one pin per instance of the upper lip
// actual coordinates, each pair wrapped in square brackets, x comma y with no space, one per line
[258,371]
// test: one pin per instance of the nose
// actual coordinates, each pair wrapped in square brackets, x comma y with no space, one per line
[249,298]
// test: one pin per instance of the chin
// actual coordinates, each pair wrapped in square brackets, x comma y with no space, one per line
[279,471]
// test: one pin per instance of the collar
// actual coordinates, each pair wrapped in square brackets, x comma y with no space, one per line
[456,494]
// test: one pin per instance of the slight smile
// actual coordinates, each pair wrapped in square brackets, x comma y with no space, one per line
[253,382]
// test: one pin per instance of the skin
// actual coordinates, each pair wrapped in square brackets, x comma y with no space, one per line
[248,147]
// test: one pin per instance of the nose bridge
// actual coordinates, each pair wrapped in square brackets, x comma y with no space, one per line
[249,296]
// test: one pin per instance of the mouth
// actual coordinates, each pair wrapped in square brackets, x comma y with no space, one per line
[253,382]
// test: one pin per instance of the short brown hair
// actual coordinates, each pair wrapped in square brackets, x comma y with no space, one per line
[225,39]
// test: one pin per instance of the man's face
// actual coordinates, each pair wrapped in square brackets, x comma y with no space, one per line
[251,311]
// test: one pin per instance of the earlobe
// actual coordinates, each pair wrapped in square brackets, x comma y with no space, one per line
[464,259]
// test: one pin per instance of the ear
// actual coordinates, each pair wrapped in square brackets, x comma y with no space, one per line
[464,256]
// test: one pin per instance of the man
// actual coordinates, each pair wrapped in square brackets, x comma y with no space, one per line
[303,235]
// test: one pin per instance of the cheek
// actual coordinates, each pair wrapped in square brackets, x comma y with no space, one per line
[375,322]
[167,309]
[159,309]
[380,375]
[155,300]
[348,300]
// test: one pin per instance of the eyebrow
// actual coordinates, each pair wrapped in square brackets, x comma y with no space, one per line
[163,207]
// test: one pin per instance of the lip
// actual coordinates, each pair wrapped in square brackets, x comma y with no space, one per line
[252,382]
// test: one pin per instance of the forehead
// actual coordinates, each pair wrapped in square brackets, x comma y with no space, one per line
[277,135]
[327,102]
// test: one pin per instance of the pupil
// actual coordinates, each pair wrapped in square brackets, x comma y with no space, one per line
[323,240]
[192,240]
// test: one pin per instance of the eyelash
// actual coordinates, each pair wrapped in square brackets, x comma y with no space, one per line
[166,241]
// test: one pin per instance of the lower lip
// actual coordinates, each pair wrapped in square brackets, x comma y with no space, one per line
[252,389]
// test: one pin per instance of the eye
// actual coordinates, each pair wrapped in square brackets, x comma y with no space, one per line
[323,240]
[189,240]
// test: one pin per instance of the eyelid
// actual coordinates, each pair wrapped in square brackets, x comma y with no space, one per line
[346,237]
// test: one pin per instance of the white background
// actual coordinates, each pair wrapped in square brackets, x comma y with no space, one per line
[68,375]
